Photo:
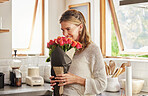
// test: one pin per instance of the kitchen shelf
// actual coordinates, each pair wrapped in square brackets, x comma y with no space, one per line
[2,1]
[4,30]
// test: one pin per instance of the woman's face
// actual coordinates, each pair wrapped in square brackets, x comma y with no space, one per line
[70,30]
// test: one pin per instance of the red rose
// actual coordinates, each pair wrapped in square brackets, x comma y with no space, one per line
[55,41]
[58,39]
[74,43]
[61,42]
[51,42]
[79,45]
[69,40]
[48,45]
[63,38]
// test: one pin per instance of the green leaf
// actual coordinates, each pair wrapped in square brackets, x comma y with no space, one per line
[48,59]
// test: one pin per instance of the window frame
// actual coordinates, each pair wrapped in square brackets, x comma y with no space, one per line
[117,31]
[32,29]
[103,27]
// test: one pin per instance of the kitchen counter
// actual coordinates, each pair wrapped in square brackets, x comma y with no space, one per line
[119,94]
[25,90]
[45,90]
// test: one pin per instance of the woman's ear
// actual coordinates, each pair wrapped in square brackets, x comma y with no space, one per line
[81,27]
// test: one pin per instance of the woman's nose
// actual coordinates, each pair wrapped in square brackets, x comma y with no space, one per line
[65,33]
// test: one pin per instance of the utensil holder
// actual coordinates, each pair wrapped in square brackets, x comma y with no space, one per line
[2,80]
[112,84]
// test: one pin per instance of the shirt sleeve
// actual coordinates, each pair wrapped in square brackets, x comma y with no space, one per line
[98,82]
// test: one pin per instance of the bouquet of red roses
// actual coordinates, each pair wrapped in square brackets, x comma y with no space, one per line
[61,51]
[64,43]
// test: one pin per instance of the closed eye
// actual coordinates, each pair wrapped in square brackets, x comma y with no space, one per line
[62,29]
[67,29]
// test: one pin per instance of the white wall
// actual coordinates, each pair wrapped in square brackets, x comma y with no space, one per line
[108,29]
[95,17]
[56,8]
[6,38]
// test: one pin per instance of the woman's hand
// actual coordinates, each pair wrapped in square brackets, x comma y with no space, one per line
[69,78]
[52,81]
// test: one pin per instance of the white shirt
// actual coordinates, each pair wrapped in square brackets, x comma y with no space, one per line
[88,64]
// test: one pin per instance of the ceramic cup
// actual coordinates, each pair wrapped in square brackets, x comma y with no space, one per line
[112,84]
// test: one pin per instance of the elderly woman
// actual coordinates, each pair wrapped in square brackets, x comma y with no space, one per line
[86,75]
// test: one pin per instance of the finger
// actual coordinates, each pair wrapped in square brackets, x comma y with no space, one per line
[60,80]
[61,75]
[52,81]
[52,88]
[53,84]
[69,73]
[62,84]
[51,77]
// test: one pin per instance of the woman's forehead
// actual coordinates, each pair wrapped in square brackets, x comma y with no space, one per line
[66,24]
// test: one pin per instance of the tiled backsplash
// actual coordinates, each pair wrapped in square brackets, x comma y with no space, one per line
[139,69]
[26,62]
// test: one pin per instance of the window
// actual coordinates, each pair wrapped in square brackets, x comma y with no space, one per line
[28,26]
[128,30]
